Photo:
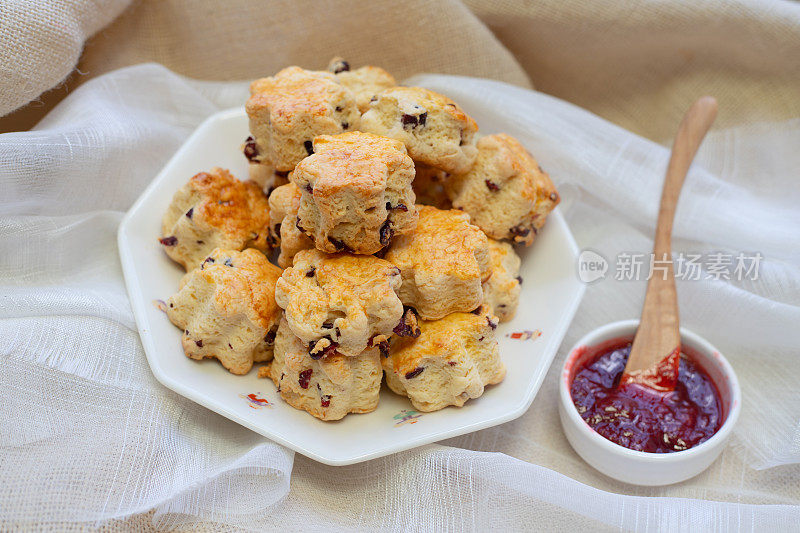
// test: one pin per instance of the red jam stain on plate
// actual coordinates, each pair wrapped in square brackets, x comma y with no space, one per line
[640,418]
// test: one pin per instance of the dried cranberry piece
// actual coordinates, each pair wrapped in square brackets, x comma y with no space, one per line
[520,231]
[208,260]
[399,207]
[452,363]
[190,212]
[169,241]
[340,66]
[250,149]
[310,273]
[408,326]
[414,120]
[304,377]
[492,185]
[345,125]
[228,262]
[386,232]
[414,373]
[325,352]
[328,324]
[199,343]
[309,188]
[492,323]
[340,245]
[383,347]
[325,400]
[309,147]
[519,279]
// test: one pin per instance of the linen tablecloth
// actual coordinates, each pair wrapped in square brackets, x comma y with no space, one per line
[89,438]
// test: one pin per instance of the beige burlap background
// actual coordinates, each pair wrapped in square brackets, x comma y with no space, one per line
[638,63]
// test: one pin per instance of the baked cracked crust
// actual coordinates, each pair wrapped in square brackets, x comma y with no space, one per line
[501,290]
[364,82]
[214,210]
[340,302]
[291,108]
[435,130]
[451,361]
[443,263]
[506,192]
[356,192]
[327,388]
[284,202]
[227,309]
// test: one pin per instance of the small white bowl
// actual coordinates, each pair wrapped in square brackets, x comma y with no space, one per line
[644,468]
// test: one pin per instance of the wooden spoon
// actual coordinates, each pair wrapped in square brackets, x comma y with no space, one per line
[656,349]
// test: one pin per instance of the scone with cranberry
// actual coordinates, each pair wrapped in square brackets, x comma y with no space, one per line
[451,361]
[356,192]
[327,388]
[214,210]
[506,192]
[501,290]
[435,130]
[227,310]
[365,82]
[443,263]
[340,302]
[291,108]
[284,202]
[429,186]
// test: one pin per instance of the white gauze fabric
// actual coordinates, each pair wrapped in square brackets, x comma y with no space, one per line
[88,437]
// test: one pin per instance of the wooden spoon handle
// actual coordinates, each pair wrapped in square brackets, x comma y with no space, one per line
[693,128]
[653,361]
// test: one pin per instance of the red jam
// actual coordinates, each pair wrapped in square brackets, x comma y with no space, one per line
[640,418]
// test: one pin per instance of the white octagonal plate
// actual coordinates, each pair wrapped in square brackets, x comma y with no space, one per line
[550,295]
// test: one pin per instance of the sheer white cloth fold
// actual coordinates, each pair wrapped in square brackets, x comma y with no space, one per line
[87,435]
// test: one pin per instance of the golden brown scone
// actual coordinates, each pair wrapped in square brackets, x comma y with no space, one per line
[443,263]
[214,210]
[327,388]
[429,186]
[340,302]
[506,192]
[435,129]
[356,192]
[364,82]
[451,361]
[291,108]
[501,290]
[227,309]
[284,202]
